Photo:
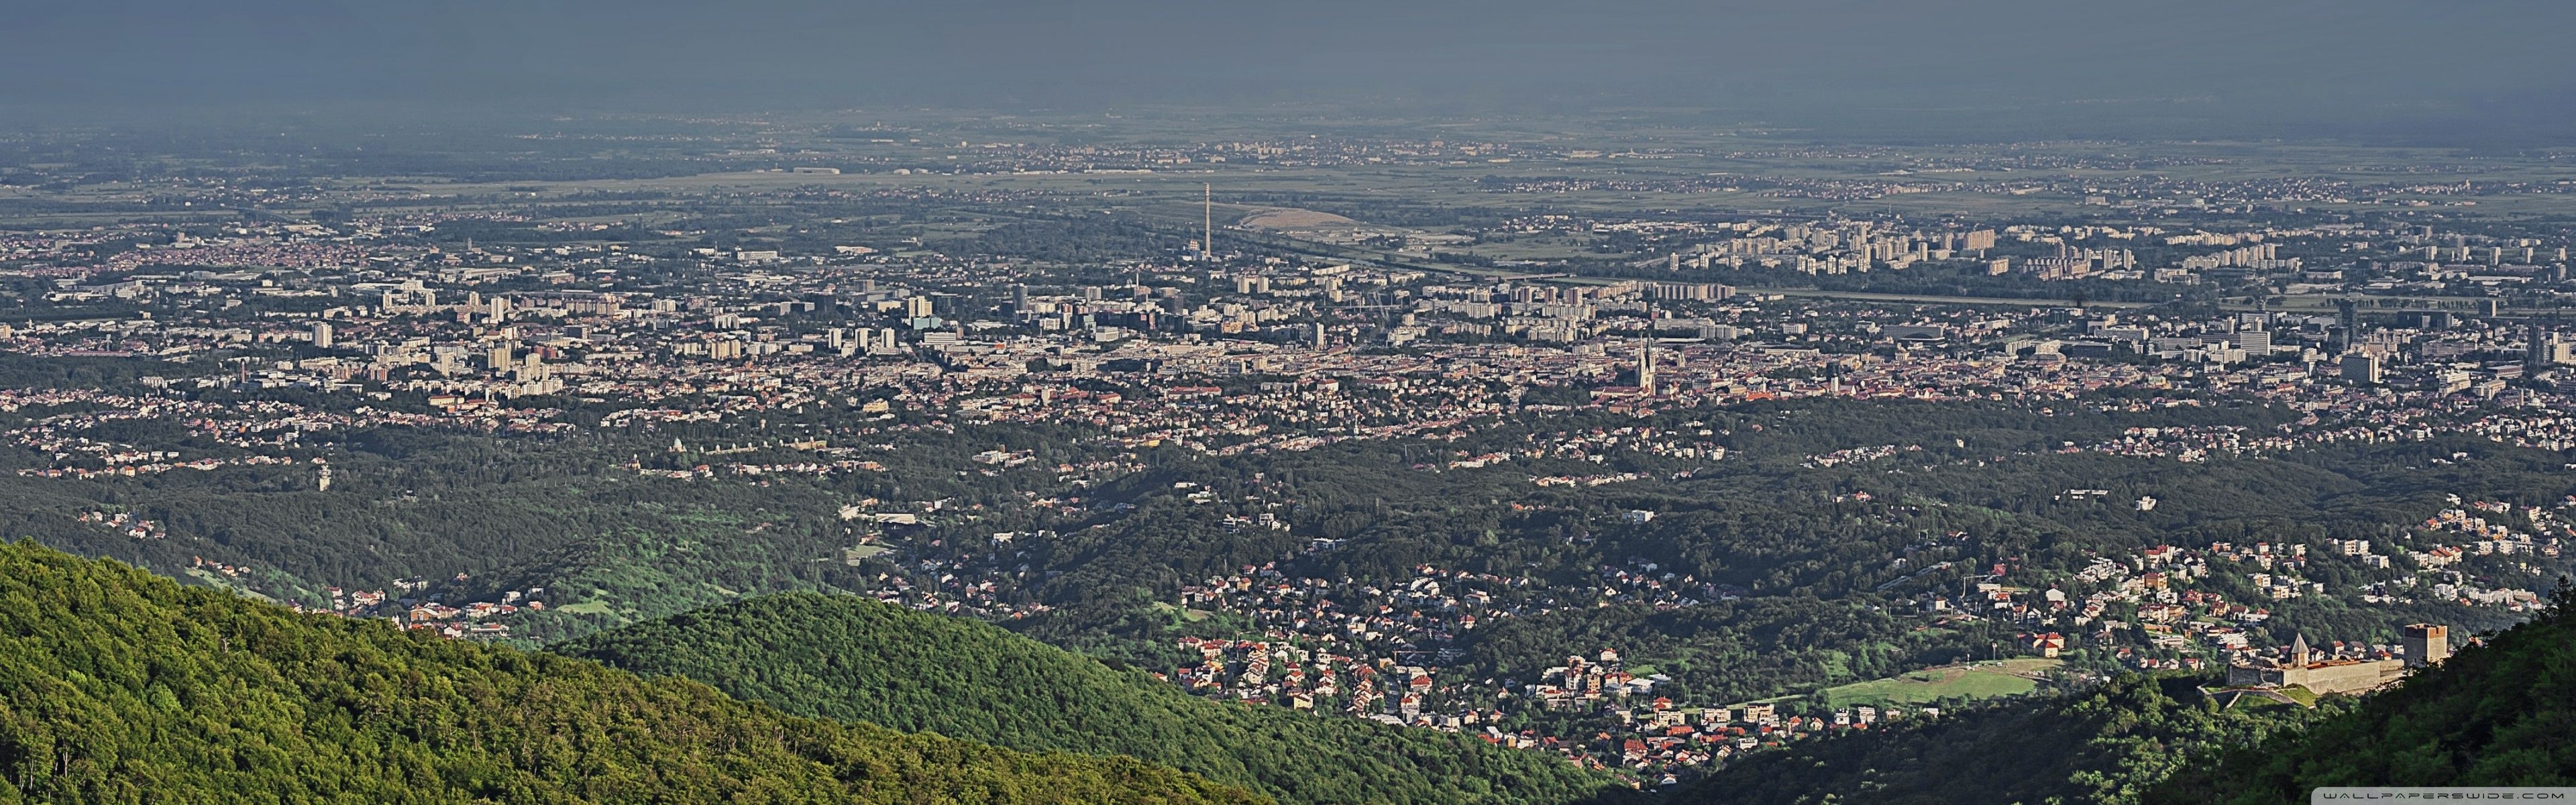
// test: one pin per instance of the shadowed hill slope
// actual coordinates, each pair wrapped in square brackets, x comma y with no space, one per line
[2106,746]
[2495,715]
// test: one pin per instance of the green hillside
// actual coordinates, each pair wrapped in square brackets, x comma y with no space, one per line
[2107,746]
[857,659]
[2493,715]
[119,686]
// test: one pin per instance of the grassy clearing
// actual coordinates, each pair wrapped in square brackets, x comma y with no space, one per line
[1985,680]
[1179,614]
[211,578]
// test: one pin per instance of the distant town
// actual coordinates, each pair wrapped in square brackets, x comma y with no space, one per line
[1222,321]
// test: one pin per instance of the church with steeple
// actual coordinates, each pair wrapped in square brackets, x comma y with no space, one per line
[2300,666]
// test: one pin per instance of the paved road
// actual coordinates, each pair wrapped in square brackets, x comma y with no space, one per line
[1935,300]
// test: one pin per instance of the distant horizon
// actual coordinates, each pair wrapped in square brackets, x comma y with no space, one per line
[1977,70]
[312,121]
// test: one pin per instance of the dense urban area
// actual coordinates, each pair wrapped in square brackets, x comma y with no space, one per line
[1649,450]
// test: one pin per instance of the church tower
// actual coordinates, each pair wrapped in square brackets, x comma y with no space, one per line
[1646,368]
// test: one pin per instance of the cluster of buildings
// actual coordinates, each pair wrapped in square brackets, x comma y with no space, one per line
[2425,644]
[375,323]
[1384,652]
[2175,607]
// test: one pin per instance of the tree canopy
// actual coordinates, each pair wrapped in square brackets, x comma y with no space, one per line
[853,658]
[118,686]
[2492,715]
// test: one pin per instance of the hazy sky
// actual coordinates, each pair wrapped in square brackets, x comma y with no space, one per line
[2433,67]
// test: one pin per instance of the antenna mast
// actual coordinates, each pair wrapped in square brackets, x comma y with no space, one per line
[1207,212]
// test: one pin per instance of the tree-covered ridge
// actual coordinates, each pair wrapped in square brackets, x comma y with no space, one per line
[853,658]
[2108,746]
[119,686]
[2496,714]
[2493,715]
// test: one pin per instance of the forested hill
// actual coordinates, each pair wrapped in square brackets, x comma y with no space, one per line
[2107,746]
[2497,714]
[119,686]
[853,658]
[2494,715]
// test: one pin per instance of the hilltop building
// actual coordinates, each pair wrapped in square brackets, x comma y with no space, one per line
[2426,644]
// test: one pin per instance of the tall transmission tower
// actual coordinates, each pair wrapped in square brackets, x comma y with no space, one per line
[1207,213]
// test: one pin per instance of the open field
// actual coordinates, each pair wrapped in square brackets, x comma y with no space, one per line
[1289,218]
[1984,680]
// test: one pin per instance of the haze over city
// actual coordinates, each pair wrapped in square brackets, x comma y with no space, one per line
[1980,69]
